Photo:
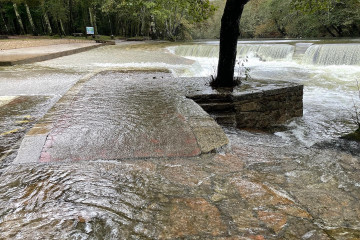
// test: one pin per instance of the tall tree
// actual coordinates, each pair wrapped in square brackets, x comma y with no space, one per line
[6,29]
[47,22]
[21,25]
[229,35]
[33,28]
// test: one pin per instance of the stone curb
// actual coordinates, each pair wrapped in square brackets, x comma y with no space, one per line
[33,142]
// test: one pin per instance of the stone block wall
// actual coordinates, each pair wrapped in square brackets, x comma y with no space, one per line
[267,108]
[259,106]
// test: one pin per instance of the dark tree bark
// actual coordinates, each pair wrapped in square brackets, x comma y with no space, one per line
[6,29]
[71,18]
[22,29]
[33,28]
[229,34]
[329,31]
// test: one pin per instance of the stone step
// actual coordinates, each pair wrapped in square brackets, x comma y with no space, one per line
[226,119]
[211,98]
[221,107]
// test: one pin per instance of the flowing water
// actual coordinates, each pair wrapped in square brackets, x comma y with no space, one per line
[299,183]
[330,73]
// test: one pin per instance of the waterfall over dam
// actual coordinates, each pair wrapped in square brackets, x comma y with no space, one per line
[304,53]
[262,51]
[333,54]
[329,69]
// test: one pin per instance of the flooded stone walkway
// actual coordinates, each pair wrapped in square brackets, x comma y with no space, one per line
[247,191]
[114,115]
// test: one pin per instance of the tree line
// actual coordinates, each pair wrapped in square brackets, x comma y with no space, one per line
[164,19]
[180,19]
[301,18]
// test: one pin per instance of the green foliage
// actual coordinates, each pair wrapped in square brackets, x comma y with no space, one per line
[243,71]
[313,6]
[169,19]
[357,111]
[301,18]
[355,136]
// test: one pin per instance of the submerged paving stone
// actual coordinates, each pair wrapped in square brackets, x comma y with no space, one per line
[18,115]
[192,217]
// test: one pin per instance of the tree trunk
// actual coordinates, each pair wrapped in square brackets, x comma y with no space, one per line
[33,28]
[48,25]
[280,28]
[229,34]
[22,30]
[95,24]
[62,28]
[93,20]
[337,30]
[329,31]
[71,19]
[144,31]
[110,26]
[3,20]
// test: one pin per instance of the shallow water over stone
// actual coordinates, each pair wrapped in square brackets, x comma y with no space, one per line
[119,116]
[253,188]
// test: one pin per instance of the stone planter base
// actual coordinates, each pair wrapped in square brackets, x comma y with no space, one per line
[256,104]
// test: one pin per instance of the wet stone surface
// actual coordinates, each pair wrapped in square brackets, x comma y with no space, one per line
[17,115]
[114,115]
[259,187]
[233,194]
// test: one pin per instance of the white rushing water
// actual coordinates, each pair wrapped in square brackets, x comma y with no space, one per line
[329,72]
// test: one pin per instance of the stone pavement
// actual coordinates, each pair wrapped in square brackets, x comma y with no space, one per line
[114,115]
[40,53]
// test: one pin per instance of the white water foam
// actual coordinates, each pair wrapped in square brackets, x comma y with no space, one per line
[329,95]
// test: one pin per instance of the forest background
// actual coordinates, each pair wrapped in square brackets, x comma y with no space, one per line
[180,19]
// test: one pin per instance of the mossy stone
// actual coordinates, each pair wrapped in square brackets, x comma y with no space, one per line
[355,136]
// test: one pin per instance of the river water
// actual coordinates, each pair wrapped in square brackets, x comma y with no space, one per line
[329,71]
[299,183]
